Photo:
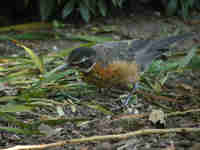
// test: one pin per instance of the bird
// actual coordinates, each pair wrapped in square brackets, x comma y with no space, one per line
[118,64]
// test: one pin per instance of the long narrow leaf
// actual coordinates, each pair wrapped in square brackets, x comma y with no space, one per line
[20,131]
[15,108]
[186,60]
[84,11]
[102,7]
[38,62]
[68,8]
[46,9]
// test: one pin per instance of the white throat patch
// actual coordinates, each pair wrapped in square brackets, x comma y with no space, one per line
[89,69]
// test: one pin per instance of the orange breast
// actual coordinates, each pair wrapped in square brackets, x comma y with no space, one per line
[118,74]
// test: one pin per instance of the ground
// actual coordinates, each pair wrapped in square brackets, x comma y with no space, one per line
[99,113]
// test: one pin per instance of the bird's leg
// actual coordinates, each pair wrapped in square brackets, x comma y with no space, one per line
[127,99]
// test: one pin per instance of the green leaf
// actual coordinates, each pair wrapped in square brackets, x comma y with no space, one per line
[15,108]
[102,7]
[172,7]
[185,7]
[7,98]
[87,38]
[164,79]
[114,2]
[191,3]
[46,8]
[117,3]
[87,3]
[92,6]
[20,73]
[28,36]
[68,8]
[17,131]
[84,11]
[184,11]
[38,62]
[186,60]
[10,118]
[120,3]
[195,63]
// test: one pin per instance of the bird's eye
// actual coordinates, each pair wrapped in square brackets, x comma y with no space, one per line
[84,59]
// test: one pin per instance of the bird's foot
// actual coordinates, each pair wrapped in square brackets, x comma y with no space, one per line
[126,99]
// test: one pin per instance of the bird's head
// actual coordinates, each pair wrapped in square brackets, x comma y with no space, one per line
[82,59]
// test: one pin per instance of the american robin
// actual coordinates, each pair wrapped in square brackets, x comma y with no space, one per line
[118,64]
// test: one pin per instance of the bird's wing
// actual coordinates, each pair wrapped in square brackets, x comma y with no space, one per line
[155,48]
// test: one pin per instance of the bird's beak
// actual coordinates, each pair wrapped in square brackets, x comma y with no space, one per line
[60,68]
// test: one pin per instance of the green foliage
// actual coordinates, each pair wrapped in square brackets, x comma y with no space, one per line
[181,7]
[86,8]
[188,58]
[46,8]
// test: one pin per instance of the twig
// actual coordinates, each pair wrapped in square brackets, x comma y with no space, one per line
[105,137]
[182,113]
[145,115]
[156,97]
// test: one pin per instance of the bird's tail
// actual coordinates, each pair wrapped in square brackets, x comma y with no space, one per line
[155,48]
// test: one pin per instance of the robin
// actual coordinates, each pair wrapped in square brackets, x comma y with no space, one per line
[118,64]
